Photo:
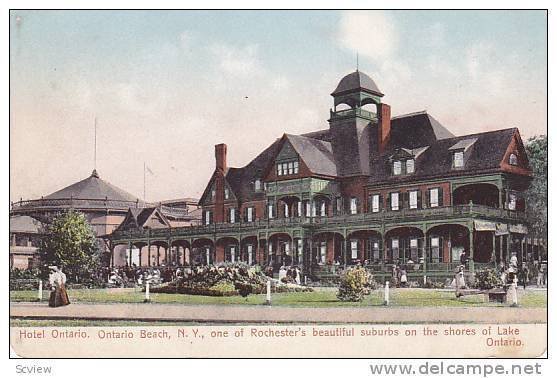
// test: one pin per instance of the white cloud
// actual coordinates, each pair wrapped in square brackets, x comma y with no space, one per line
[371,34]
[237,61]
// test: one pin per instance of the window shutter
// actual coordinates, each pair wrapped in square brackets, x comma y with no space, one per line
[358,205]
[211,217]
[389,202]
[405,200]
[254,214]
[440,196]
[419,195]
[381,202]
[426,203]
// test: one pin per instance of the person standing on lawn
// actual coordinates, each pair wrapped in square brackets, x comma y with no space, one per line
[58,295]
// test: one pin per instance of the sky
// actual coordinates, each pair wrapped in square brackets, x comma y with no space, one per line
[166,86]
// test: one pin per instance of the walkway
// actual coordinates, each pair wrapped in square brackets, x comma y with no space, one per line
[270,314]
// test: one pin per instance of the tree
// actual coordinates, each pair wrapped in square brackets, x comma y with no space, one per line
[69,242]
[536,196]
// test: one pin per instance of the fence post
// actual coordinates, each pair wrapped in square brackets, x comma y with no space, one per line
[386,301]
[40,290]
[147,296]
[268,300]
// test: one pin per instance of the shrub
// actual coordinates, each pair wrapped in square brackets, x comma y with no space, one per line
[488,279]
[355,283]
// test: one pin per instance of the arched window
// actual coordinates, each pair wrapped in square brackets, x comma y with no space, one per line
[513,159]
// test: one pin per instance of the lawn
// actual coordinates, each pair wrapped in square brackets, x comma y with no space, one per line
[318,298]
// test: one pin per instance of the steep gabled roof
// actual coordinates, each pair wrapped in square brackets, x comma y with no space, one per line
[139,218]
[316,154]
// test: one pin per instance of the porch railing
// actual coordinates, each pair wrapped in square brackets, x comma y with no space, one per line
[345,219]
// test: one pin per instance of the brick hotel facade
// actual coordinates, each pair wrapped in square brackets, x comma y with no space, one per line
[369,188]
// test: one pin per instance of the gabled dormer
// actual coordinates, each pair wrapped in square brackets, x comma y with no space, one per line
[403,160]
[461,152]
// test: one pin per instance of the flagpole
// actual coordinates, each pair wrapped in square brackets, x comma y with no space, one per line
[144,199]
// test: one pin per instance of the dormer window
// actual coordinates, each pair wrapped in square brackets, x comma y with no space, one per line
[226,193]
[288,168]
[410,166]
[458,159]
[213,193]
[257,185]
[397,168]
[513,159]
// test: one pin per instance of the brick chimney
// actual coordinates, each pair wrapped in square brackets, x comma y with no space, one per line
[220,156]
[220,170]
[384,126]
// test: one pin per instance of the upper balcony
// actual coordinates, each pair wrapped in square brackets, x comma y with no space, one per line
[447,213]
[354,112]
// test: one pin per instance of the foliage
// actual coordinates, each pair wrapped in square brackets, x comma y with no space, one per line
[19,274]
[488,279]
[354,284]
[70,243]
[536,196]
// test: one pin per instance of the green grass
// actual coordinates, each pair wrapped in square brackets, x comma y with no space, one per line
[93,323]
[318,298]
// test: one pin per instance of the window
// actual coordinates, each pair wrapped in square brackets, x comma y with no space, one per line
[232,216]
[397,168]
[308,209]
[435,249]
[414,249]
[338,206]
[458,161]
[375,249]
[413,199]
[213,194]
[322,252]
[300,211]
[287,168]
[353,205]
[354,249]
[250,254]
[250,215]
[233,254]
[375,203]
[513,159]
[323,209]
[410,166]
[434,197]
[257,185]
[512,201]
[271,210]
[286,211]
[207,217]
[394,202]
[394,248]
[226,193]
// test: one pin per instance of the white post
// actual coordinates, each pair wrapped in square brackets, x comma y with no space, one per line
[514,294]
[425,280]
[386,301]
[147,297]
[40,290]
[268,300]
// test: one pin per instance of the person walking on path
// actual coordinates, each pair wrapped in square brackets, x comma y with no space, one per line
[58,295]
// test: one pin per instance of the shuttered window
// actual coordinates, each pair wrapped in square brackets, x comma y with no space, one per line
[397,168]
[413,199]
[395,201]
[375,203]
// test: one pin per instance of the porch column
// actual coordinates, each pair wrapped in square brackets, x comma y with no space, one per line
[158,255]
[471,234]
[130,252]
[140,248]
[500,248]
[149,252]
[493,258]
[112,255]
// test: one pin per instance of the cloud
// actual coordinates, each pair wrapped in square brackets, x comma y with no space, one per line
[371,34]
[238,61]
[185,40]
